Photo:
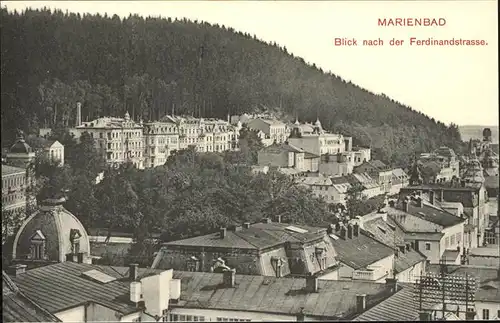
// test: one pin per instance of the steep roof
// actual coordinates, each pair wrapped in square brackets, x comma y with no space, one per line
[61,286]
[391,234]
[335,299]
[17,307]
[55,223]
[279,148]
[402,306]
[20,147]
[360,251]
[426,218]
[257,236]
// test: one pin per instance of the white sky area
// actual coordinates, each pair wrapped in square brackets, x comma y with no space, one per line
[452,84]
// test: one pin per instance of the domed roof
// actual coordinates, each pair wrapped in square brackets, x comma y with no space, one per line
[20,147]
[56,227]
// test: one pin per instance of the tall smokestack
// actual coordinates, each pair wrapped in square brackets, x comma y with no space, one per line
[78,114]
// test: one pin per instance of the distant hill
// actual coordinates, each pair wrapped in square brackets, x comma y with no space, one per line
[476,132]
[151,66]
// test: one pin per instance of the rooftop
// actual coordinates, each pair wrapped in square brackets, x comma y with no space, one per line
[258,236]
[335,299]
[11,170]
[402,306]
[360,251]
[389,233]
[16,307]
[425,218]
[63,285]
[283,147]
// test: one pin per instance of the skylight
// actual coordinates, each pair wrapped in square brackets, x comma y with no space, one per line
[381,229]
[392,226]
[295,229]
[98,276]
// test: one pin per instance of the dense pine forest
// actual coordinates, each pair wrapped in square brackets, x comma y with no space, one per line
[151,66]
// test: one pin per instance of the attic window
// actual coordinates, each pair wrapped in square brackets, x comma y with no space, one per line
[334,237]
[421,213]
[37,245]
[98,276]
[295,229]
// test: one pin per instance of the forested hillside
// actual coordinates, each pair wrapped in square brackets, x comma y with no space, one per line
[149,66]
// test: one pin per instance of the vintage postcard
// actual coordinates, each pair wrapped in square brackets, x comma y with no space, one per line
[236,161]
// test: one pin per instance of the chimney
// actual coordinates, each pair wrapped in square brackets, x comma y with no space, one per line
[16,269]
[407,247]
[402,249]
[360,303]
[278,218]
[133,272]
[235,228]
[441,195]
[419,201]
[462,183]
[80,257]
[78,114]
[470,314]
[425,316]
[246,225]
[405,205]
[135,292]
[222,233]
[312,284]
[349,231]
[330,229]
[301,316]
[342,232]
[396,252]
[229,278]
[431,197]
[356,230]
[266,220]
[392,283]
[337,226]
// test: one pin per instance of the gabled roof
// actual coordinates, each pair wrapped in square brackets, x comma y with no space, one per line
[283,147]
[391,234]
[335,299]
[17,307]
[257,236]
[426,218]
[402,306]
[360,251]
[61,286]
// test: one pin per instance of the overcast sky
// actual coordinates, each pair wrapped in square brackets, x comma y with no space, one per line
[452,84]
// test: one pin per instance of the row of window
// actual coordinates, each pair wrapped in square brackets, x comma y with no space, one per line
[14,181]
[13,198]
[486,314]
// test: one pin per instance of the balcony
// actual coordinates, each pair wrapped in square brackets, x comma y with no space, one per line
[370,273]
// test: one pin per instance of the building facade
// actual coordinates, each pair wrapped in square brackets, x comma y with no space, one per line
[118,139]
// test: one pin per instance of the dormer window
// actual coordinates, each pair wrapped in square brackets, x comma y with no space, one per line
[74,236]
[277,264]
[193,264]
[37,245]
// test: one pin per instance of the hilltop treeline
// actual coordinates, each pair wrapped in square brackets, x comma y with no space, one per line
[151,66]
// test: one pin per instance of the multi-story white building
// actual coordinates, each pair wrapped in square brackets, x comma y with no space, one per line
[315,140]
[161,138]
[274,130]
[119,139]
